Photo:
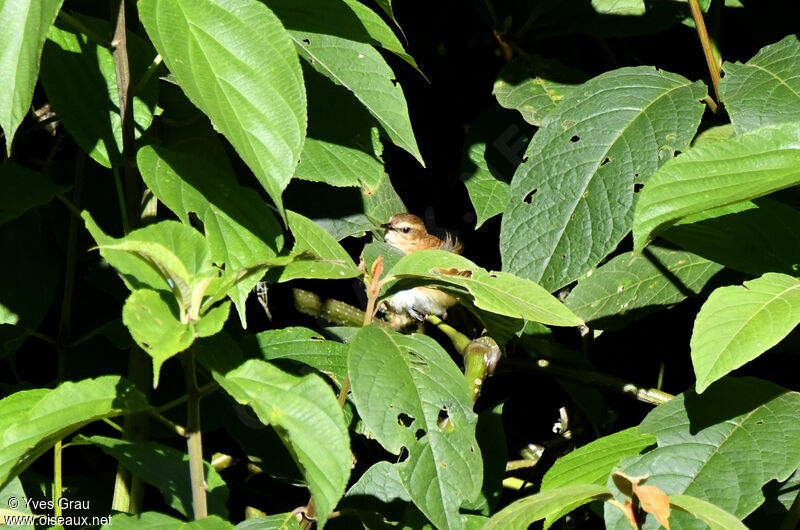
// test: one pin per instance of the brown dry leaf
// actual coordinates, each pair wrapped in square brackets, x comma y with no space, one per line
[654,501]
[453,272]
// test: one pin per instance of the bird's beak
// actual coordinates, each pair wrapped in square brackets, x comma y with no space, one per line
[387,226]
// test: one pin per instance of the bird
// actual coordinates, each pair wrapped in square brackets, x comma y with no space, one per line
[407,233]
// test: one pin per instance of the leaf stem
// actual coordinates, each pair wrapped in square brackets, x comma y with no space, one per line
[705,42]
[203,391]
[65,323]
[180,431]
[194,441]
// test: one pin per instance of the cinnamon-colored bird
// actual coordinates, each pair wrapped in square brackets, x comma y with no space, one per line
[407,233]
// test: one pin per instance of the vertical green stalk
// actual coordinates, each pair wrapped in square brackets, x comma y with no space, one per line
[705,42]
[128,490]
[194,442]
[65,324]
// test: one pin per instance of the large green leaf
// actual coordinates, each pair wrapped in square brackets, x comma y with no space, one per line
[279,521]
[721,447]
[739,323]
[766,89]
[32,421]
[427,410]
[192,174]
[635,284]
[619,7]
[318,254]
[495,291]
[168,470]
[234,60]
[534,85]
[752,237]
[593,463]
[19,62]
[715,517]
[300,344]
[162,521]
[80,80]
[305,413]
[522,513]
[572,201]
[342,147]
[349,61]
[23,189]
[378,495]
[745,167]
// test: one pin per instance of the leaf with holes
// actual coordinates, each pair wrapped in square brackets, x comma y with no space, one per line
[191,173]
[427,410]
[572,201]
[739,323]
[752,237]
[635,284]
[766,89]
[498,292]
[745,167]
[521,513]
[32,421]
[20,68]
[251,88]
[722,447]
[305,413]
[356,65]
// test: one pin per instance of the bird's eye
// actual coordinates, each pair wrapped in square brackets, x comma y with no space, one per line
[406,229]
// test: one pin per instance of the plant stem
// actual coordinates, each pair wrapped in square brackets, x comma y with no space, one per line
[180,431]
[705,42]
[65,324]
[203,391]
[194,441]
[331,310]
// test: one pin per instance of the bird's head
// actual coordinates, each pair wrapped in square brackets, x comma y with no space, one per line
[405,231]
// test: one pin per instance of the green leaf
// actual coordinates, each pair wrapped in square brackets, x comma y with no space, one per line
[534,85]
[279,521]
[353,64]
[492,152]
[23,189]
[303,345]
[305,413]
[251,88]
[155,326]
[342,147]
[496,291]
[347,19]
[766,89]
[19,64]
[745,167]
[635,284]
[166,469]
[593,463]
[714,516]
[80,80]
[522,513]
[722,447]
[739,323]
[13,490]
[713,134]
[573,200]
[427,410]
[319,255]
[161,521]
[751,237]
[32,421]
[378,494]
[191,173]
[619,7]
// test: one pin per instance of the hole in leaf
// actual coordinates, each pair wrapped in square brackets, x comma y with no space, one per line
[471,448]
[524,159]
[637,187]
[403,455]
[529,197]
[308,42]
[394,82]
[419,434]
[760,422]
[443,420]
[492,275]
[404,419]
[575,138]
[563,256]
[605,161]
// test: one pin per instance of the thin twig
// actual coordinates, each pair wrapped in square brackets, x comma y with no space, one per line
[180,431]
[705,42]
[194,440]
